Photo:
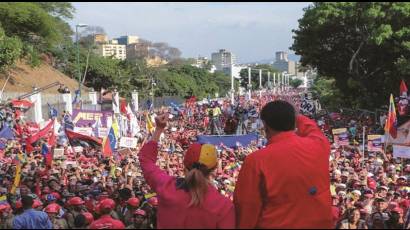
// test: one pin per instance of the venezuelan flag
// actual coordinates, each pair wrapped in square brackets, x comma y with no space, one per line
[391,123]
[109,143]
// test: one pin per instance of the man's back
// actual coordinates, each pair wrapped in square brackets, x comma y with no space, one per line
[107,222]
[286,184]
[32,219]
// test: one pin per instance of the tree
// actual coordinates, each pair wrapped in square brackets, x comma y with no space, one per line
[10,50]
[295,82]
[363,46]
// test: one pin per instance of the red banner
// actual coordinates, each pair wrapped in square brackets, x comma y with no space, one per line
[73,135]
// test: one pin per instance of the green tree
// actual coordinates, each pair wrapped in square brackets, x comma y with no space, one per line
[363,46]
[295,82]
[324,88]
[10,50]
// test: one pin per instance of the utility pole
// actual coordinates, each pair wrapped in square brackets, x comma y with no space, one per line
[249,83]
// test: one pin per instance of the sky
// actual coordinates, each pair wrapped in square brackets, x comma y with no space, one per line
[253,31]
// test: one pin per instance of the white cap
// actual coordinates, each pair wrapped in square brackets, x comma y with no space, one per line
[385,188]
[337,172]
[357,192]
[341,193]
[341,186]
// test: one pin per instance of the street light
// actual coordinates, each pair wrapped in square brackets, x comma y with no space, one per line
[78,54]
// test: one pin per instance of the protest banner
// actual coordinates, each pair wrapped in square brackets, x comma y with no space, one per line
[128,142]
[374,143]
[340,136]
[85,118]
[58,153]
[228,140]
[401,151]
[403,137]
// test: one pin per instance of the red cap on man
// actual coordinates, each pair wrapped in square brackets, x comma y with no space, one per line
[75,201]
[107,204]
[52,208]
[133,201]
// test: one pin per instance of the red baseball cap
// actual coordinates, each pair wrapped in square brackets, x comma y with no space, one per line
[205,154]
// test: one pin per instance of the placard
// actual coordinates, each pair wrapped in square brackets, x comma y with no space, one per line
[128,142]
[401,151]
[78,149]
[307,106]
[340,136]
[58,153]
[102,132]
[374,143]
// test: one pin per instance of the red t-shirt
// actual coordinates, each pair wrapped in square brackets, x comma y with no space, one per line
[107,222]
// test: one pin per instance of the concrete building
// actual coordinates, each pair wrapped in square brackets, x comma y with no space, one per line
[283,64]
[112,49]
[128,39]
[201,61]
[223,59]
[100,39]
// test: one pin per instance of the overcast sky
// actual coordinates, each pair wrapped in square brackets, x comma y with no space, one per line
[252,31]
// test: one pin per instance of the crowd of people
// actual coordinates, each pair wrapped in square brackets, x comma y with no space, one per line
[84,189]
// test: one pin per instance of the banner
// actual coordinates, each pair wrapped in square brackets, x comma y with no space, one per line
[77,136]
[374,143]
[401,151]
[231,141]
[84,130]
[128,142]
[340,136]
[85,118]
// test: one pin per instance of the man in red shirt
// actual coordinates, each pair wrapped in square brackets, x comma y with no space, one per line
[286,184]
[106,221]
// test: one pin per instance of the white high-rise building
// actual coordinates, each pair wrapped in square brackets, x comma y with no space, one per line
[283,64]
[112,49]
[223,60]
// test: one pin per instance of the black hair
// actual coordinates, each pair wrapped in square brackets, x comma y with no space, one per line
[80,221]
[27,201]
[279,115]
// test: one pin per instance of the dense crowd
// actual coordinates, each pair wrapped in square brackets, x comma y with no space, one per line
[86,190]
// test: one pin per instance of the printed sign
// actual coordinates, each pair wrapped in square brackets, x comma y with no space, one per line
[84,118]
[128,142]
[58,153]
[78,149]
[307,106]
[340,136]
[102,132]
[401,151]
[374,143]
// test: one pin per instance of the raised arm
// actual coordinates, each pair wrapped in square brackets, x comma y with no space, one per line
[148,155]
[309,129]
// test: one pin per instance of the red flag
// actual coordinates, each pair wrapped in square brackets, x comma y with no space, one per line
[73,135]
[123,106]
[52,140]
[403,88]
[41,133]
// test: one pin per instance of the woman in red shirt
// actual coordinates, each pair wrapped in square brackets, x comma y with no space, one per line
[190,202]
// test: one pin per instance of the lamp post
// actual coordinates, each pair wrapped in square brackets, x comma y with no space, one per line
[249,83]
[232,87]
[78,55]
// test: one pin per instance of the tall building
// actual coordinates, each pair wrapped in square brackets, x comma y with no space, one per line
[100,38]
[223,60]
[112,49]
[283,64]
[128,39]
